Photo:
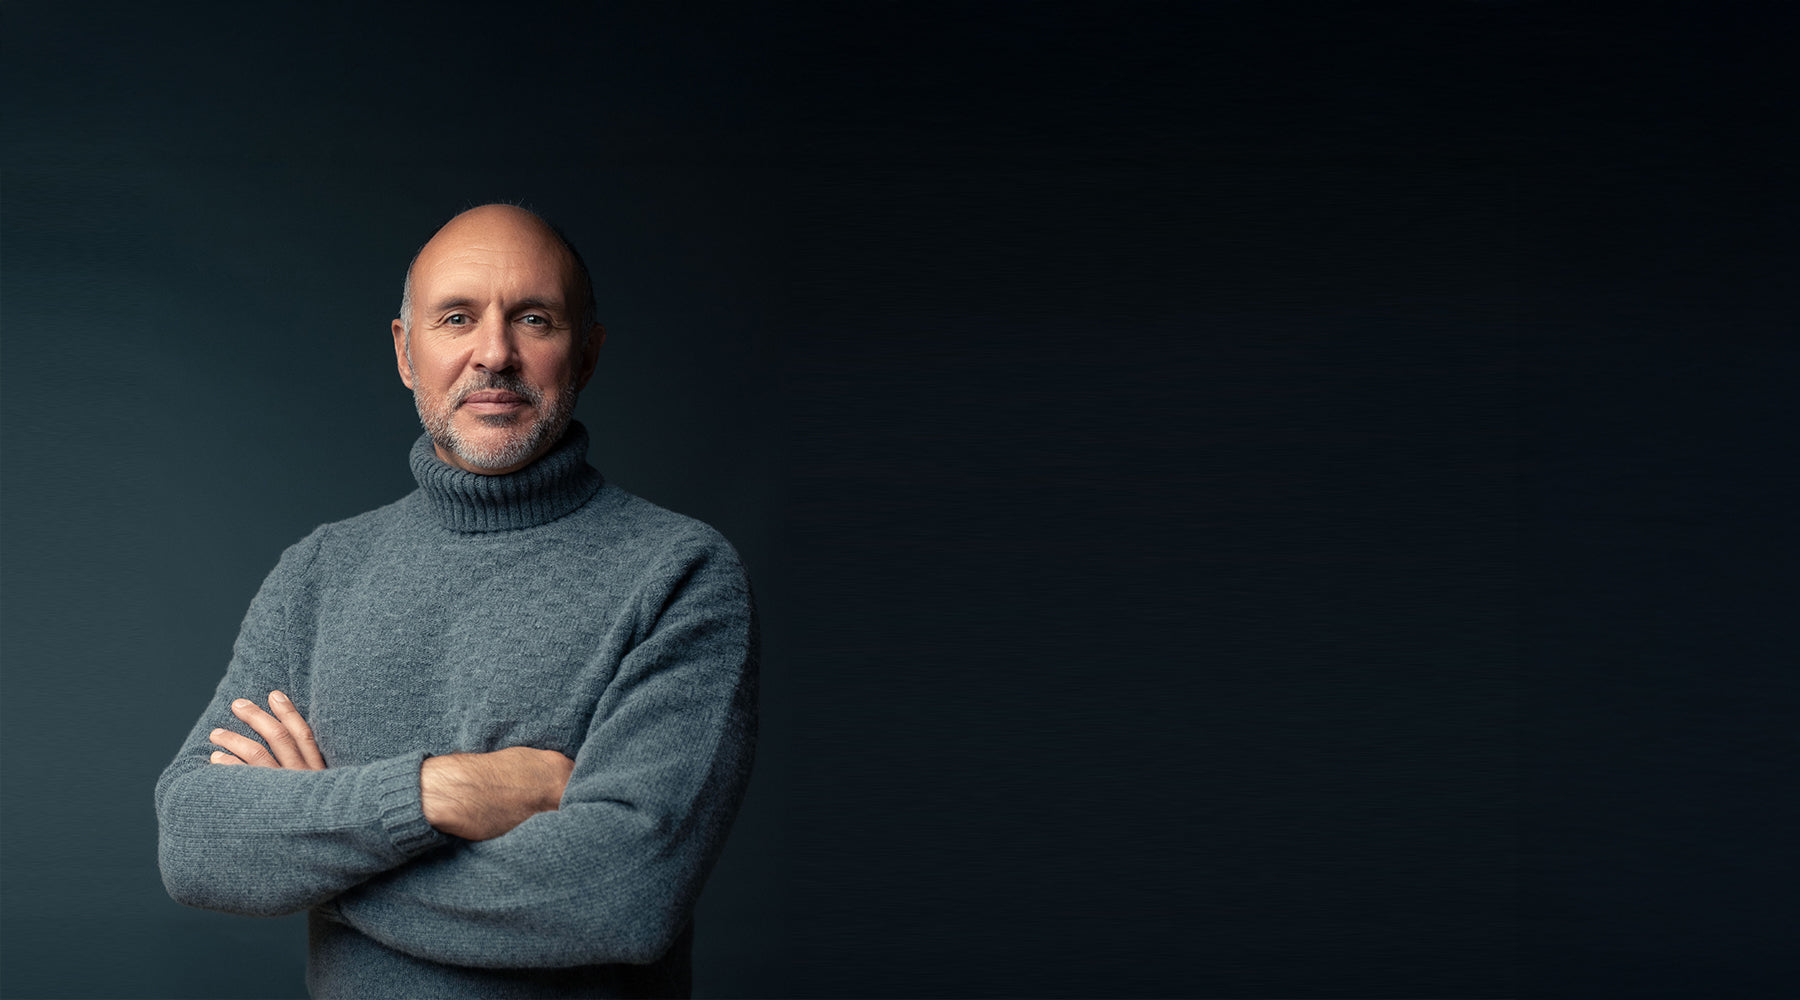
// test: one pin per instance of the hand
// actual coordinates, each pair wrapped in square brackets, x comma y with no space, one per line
[290,740]
[479,796]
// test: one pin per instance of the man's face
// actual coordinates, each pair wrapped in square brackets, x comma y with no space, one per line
[493,357]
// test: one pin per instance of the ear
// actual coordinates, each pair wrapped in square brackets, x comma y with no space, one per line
[400,354]
[590,355]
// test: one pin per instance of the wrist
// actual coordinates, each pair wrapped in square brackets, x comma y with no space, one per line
[442,795]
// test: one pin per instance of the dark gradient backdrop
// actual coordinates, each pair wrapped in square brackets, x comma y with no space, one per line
[1247,500]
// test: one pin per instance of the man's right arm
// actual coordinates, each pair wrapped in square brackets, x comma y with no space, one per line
[289,832]
[268,841]
[475,796]
[265,840]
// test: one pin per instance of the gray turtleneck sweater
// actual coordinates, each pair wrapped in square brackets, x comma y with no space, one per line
[544,608]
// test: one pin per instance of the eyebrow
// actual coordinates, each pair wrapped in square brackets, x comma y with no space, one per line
[451,303]
[464,302]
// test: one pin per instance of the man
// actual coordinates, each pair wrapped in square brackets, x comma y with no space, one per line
[509,716]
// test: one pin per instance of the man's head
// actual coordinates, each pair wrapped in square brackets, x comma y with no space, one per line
[496,337]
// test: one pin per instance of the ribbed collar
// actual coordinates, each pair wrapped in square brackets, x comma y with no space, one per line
[537,494]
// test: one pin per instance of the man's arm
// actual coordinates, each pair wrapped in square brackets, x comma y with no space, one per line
[272,840]
[480,796]
[266,841]
[612,875]
[475,796]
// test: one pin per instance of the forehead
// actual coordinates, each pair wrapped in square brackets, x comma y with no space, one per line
[485,257]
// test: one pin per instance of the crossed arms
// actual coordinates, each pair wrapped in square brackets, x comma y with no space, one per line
[513,858]
[475,796]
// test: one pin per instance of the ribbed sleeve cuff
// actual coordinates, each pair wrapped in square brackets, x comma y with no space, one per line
[402,812]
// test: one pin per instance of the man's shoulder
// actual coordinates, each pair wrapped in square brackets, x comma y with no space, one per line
[363,532]
[622,512]
[614,531]
[371,525]
[617,519]
[614,518]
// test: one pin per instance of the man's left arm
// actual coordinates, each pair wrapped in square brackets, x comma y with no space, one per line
[612,874]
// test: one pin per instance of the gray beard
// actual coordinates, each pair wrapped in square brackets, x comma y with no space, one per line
[515,447]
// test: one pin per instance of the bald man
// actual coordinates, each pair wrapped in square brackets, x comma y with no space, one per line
[491,735]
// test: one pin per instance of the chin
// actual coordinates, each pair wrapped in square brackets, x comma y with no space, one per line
[494,454]
[501,441]
[498,419]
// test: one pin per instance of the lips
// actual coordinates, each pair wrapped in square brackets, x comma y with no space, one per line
[494,396]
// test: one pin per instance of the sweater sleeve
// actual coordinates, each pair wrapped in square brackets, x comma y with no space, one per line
[613,874]
[266,841]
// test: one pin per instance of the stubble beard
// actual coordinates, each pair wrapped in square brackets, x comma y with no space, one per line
[523,438]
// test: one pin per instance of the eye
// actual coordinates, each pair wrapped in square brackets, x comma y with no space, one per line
[457,319]
[535,319]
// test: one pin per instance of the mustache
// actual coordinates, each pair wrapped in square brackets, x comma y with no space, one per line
[498,382]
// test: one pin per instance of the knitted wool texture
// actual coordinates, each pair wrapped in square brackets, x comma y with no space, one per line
[543,608]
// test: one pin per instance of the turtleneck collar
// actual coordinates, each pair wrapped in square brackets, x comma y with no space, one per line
[541,492]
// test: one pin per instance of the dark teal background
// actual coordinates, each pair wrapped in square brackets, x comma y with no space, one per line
[207,217]
[1246,500]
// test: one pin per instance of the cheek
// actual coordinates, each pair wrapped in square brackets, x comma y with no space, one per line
[553,369]
[437,373]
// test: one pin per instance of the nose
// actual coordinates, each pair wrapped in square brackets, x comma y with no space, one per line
[495,349]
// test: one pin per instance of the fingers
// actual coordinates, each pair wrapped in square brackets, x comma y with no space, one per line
[296,726]
[243,748]
[275,734]
[287,741]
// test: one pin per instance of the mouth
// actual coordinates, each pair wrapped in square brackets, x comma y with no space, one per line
[493,401]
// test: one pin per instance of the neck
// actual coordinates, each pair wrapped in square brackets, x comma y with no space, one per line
[538,492]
